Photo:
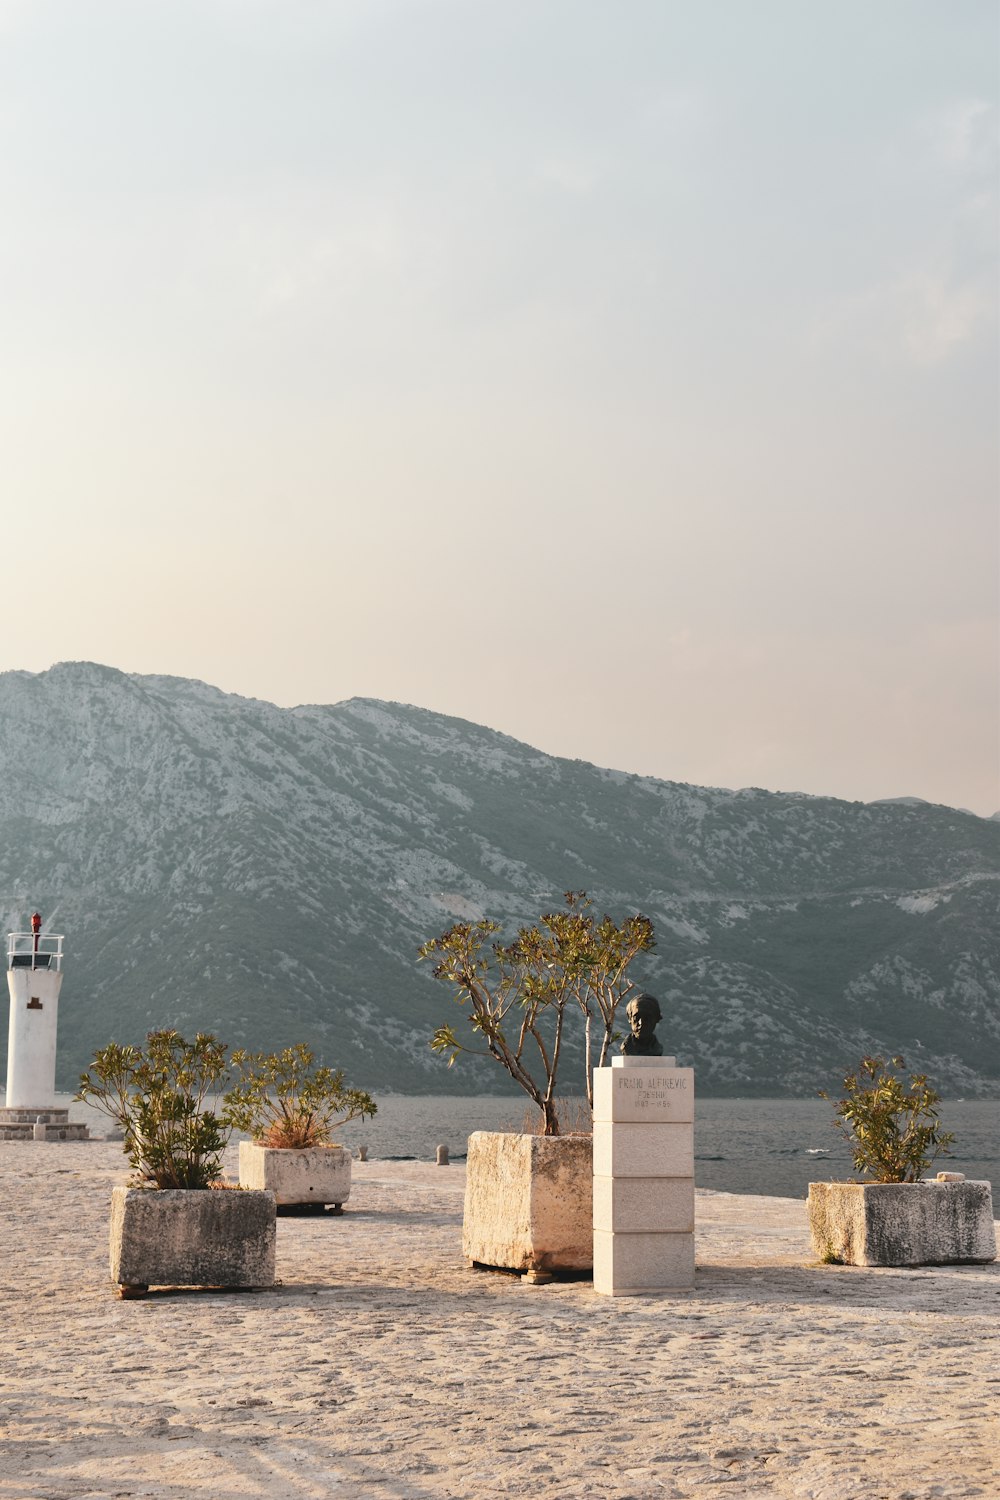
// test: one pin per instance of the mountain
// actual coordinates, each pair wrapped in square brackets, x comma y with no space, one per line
[222,864]
[901,802]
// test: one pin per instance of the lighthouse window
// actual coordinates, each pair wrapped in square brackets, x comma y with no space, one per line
[34,1003]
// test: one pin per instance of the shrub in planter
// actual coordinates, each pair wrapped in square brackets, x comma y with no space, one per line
[175,1225]
[890,1124]
[895,1218]
[157,1095]
[527,1208]
[291,1109]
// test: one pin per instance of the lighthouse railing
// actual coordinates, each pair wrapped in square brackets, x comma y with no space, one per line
[29,950]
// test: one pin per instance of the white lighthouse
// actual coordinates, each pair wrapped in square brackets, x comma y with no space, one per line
[34,979]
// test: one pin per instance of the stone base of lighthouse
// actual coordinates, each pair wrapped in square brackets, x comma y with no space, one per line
[22,1125]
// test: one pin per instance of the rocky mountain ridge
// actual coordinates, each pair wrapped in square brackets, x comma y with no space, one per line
[224,864]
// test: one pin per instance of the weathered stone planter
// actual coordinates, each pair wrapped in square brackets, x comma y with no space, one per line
[199,1237]
[902,1223]
[313,1175]
[529,1202]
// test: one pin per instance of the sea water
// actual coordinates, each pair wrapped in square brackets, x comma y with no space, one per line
[774,1147]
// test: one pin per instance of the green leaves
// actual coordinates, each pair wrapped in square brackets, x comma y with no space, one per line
[157,1096]
[283,1100]
[446,1043]
[891,1126]
[517,995]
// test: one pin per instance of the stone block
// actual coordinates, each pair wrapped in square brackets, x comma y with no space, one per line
[45,1124]
[313,1174]
[199,1237]
[654,1205]
[625,1150]
[630,1264]
[902,1223]
[529,1201]
[630,1060]
[644,1095]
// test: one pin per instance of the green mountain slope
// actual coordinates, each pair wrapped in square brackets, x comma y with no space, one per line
[223,864]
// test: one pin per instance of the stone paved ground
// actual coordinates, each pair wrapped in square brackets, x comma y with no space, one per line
[382,1367]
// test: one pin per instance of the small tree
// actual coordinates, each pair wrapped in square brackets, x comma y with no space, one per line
[282,1099]
[891,1126]
[601,983]
[518,994]
[157,1095]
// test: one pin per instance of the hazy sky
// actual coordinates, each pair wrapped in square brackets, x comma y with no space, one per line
[621,375]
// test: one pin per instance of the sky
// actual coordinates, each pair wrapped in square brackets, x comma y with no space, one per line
[619,374]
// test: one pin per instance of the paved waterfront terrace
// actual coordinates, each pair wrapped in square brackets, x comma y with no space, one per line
[382,1366]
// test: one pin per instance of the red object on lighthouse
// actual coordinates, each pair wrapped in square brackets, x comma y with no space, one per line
[36,927]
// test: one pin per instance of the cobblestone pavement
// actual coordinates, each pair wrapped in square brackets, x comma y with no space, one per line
[382,1366]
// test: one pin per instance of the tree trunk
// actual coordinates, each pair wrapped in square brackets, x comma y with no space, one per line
[589,1066]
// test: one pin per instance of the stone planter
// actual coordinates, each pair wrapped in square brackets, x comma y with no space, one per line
[902,1223]
[529,1202]
[199,1237]
[315,1175]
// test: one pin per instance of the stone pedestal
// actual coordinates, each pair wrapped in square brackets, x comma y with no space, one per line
[40,1124]
[643,1177]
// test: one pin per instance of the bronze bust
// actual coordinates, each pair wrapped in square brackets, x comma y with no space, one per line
[643,1013]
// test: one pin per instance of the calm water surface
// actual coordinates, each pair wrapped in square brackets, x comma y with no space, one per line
[770,1146]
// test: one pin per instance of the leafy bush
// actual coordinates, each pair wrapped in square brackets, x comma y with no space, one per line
[283,1100]
[157,1096]
[891,1126]
[518,994]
